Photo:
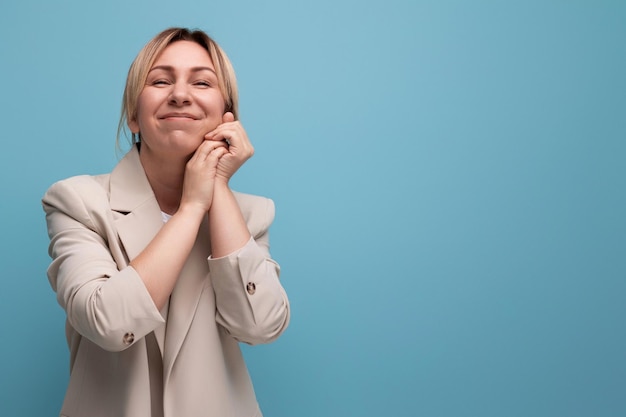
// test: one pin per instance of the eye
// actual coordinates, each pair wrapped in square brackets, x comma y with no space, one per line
[202,84]
[160,82]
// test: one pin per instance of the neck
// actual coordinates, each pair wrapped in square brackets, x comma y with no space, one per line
[165,176]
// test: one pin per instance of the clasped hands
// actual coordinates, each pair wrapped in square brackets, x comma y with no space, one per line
[216,160]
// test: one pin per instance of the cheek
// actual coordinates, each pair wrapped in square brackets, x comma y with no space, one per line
[213,103]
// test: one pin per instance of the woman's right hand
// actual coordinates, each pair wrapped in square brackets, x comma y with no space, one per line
[200,175]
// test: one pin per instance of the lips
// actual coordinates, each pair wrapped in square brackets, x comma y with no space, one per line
[178,116]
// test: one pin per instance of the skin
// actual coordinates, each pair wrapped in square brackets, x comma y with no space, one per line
[188,163]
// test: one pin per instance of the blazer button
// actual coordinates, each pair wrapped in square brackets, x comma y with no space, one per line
[251,288]
[128,338]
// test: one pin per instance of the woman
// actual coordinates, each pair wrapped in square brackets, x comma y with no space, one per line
[161,268]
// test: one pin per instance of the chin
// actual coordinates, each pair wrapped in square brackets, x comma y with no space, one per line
[187,141]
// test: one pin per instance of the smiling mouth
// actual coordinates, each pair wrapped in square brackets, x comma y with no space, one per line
[178,117]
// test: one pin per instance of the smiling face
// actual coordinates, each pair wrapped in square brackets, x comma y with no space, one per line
[180,102]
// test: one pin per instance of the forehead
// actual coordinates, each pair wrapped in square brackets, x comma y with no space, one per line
[184,54]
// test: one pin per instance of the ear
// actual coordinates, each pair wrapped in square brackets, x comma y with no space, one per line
[133,126]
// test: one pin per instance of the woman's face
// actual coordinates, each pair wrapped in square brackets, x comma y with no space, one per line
[181,101]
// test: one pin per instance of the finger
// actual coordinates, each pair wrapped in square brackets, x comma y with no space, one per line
[224,136]
[206,148]
[220,133]
[228,117]
[214,156]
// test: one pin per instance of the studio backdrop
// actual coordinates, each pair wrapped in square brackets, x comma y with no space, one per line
[450,185]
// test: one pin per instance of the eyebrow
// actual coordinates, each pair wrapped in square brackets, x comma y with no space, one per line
[171,69]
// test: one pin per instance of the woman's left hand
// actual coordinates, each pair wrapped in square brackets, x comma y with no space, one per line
[239,147]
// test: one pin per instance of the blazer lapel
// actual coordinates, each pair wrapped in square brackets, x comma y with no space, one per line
[139,217]
[185,297]
[139,220]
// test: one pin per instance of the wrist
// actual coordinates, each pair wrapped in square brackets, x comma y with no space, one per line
[191,210]
[221,184]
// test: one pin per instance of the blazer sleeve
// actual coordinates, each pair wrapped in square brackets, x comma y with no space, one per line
[104,299]
[251,303]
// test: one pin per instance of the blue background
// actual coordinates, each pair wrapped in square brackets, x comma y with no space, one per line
[450,181]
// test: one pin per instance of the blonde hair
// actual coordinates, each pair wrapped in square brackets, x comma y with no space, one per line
[138,73]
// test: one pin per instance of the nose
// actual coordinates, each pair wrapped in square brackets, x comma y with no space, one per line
[179,94]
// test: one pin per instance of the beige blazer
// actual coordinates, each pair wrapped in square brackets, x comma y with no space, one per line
[126,357]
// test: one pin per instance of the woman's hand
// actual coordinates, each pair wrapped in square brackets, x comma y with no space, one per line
[200,174]
[239,148]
